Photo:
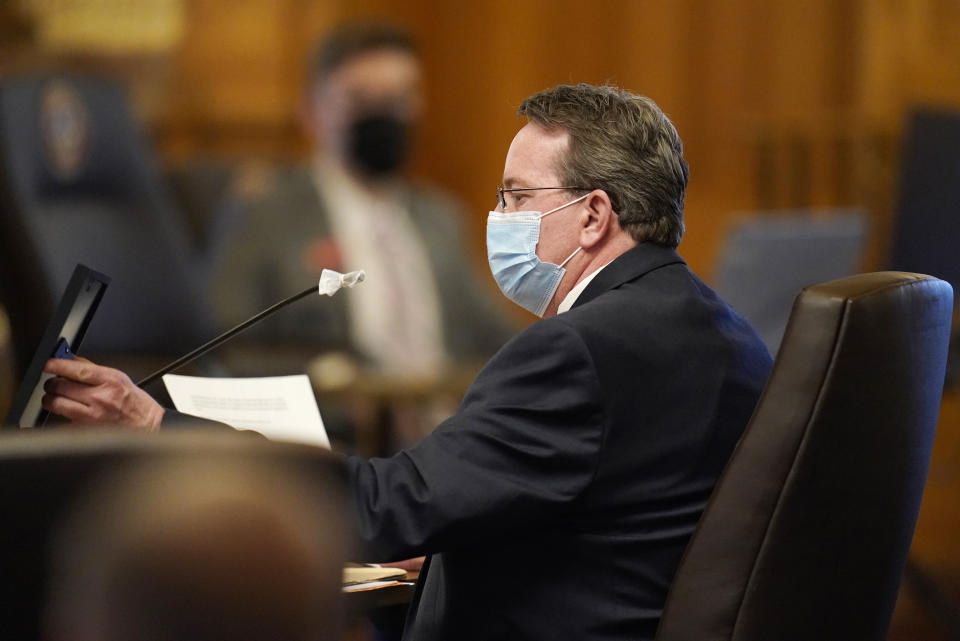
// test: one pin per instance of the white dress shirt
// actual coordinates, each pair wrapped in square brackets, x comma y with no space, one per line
[395,315]
[574,293]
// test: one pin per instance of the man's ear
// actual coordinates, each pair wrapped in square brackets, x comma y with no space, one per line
[597,219]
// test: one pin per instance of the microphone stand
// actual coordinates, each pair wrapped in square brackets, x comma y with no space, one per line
[222,338]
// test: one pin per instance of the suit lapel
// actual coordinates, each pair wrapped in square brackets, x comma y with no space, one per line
[632,264]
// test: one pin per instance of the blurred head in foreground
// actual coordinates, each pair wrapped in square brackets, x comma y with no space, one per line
[364,98]
[198,549]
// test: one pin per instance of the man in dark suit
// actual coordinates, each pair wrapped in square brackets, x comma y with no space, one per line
[558,500]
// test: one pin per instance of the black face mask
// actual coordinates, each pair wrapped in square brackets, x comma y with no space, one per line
[378,143]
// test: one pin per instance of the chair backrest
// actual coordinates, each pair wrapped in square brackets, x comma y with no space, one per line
[45,475]
[78,183]
[769,256]
[808,528]
[927,225]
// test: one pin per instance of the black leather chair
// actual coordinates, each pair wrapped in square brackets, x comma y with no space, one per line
[78,183]
[926,229]
[926,223]
[807,532]
[769,256]
[45,475]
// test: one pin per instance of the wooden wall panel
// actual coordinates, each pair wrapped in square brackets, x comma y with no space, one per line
[780,104]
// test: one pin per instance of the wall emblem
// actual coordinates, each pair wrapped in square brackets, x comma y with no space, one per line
[65,129]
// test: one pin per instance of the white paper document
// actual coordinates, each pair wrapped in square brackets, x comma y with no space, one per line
[281,408]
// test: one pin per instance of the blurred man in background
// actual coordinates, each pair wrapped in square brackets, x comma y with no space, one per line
[353,208]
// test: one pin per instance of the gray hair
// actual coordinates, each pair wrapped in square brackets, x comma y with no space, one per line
[625,145]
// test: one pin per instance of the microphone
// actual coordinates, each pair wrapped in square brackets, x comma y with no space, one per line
[330,283]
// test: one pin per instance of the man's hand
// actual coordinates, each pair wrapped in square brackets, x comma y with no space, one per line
[88,393]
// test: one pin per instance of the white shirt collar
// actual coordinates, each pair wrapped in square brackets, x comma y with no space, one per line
[574,293]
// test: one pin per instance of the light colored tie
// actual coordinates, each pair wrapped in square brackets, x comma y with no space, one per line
[413,344]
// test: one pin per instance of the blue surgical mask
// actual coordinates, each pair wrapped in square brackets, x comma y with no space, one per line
[512,239]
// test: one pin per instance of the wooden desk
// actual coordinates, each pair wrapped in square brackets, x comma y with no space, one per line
[362,603]
[388,412]
[383,609]
[376,407]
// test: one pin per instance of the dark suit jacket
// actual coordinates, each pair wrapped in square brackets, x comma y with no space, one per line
[262,261]
[558,500]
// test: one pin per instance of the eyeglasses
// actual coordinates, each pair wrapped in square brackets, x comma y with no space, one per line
[501,200]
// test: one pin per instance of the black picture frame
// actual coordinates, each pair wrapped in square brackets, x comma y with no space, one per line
[63,335]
